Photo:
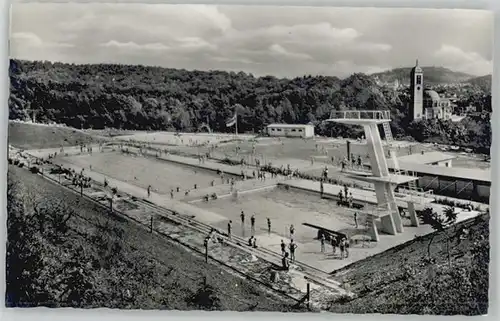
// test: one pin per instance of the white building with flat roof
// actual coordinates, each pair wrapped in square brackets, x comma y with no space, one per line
[289,130]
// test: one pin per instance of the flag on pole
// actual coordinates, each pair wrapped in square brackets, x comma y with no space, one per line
[232,121]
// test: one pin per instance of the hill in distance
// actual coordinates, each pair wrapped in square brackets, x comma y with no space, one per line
[483,82]
[432,75]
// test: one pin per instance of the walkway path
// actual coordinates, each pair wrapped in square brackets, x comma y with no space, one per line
[309,249]
[252,262]
[365,196]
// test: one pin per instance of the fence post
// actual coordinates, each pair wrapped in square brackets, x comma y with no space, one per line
[151,225]
[111,204]
[206,250]
[308,295]
[81,188]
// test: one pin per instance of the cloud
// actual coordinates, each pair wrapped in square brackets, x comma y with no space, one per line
[280,52]
[31,40]
[134,46]
[460,60]
[282,41]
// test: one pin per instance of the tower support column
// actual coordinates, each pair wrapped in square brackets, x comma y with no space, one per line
[413,214]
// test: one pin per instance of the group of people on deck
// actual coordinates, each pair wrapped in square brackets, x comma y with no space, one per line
[341,242]
[355,162]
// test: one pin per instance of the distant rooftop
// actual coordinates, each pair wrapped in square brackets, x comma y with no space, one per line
[425,158]
[289,125]
[458,173]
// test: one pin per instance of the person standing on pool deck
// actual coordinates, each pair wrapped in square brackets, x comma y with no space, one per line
[229,229]
[333,242]
[342,248]
[268,226]
[252,223]
[292,247]
[356,219]
[242,216]
[283,248]
[322,243]
[149,190]
[292,230]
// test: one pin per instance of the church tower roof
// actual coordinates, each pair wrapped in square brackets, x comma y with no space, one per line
[416,68]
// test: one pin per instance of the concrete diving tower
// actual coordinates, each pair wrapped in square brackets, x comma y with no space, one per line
[384,182]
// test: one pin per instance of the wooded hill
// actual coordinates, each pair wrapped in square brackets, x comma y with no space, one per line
[432,75]
[483,82]
[154,98]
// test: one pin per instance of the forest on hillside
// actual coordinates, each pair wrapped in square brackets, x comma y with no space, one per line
[155,98]
[432,75]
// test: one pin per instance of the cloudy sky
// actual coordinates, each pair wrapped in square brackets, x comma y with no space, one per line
[280,41]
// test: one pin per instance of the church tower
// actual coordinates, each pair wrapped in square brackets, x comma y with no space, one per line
[417,92]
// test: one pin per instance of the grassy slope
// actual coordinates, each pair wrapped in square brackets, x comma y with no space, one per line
[235,293]
[30,136]
[383,286]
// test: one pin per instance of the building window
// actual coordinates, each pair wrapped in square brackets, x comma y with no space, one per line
[300,130]
[293,130]
[419,80]
[279,129]
[273,129]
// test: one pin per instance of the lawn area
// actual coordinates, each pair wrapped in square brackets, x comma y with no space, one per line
[402,281]
[37,136]
[156,273]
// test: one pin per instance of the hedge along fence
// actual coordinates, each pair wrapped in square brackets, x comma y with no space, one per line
[456,203]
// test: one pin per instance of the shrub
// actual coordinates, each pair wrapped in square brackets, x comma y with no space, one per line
[16,162]
[21,165]
[10,161]
[34,169]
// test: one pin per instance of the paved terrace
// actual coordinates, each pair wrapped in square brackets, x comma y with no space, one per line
[252,262]
[366,196]
[309,248]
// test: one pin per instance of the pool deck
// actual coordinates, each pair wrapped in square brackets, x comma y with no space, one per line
[361,195]
[308,248]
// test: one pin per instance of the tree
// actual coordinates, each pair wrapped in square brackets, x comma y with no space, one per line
[439,223]
[152,98]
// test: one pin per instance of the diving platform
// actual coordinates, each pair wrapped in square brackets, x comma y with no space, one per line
[360,117]
[384,182]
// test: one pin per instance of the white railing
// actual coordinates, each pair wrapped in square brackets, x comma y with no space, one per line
[361,114]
